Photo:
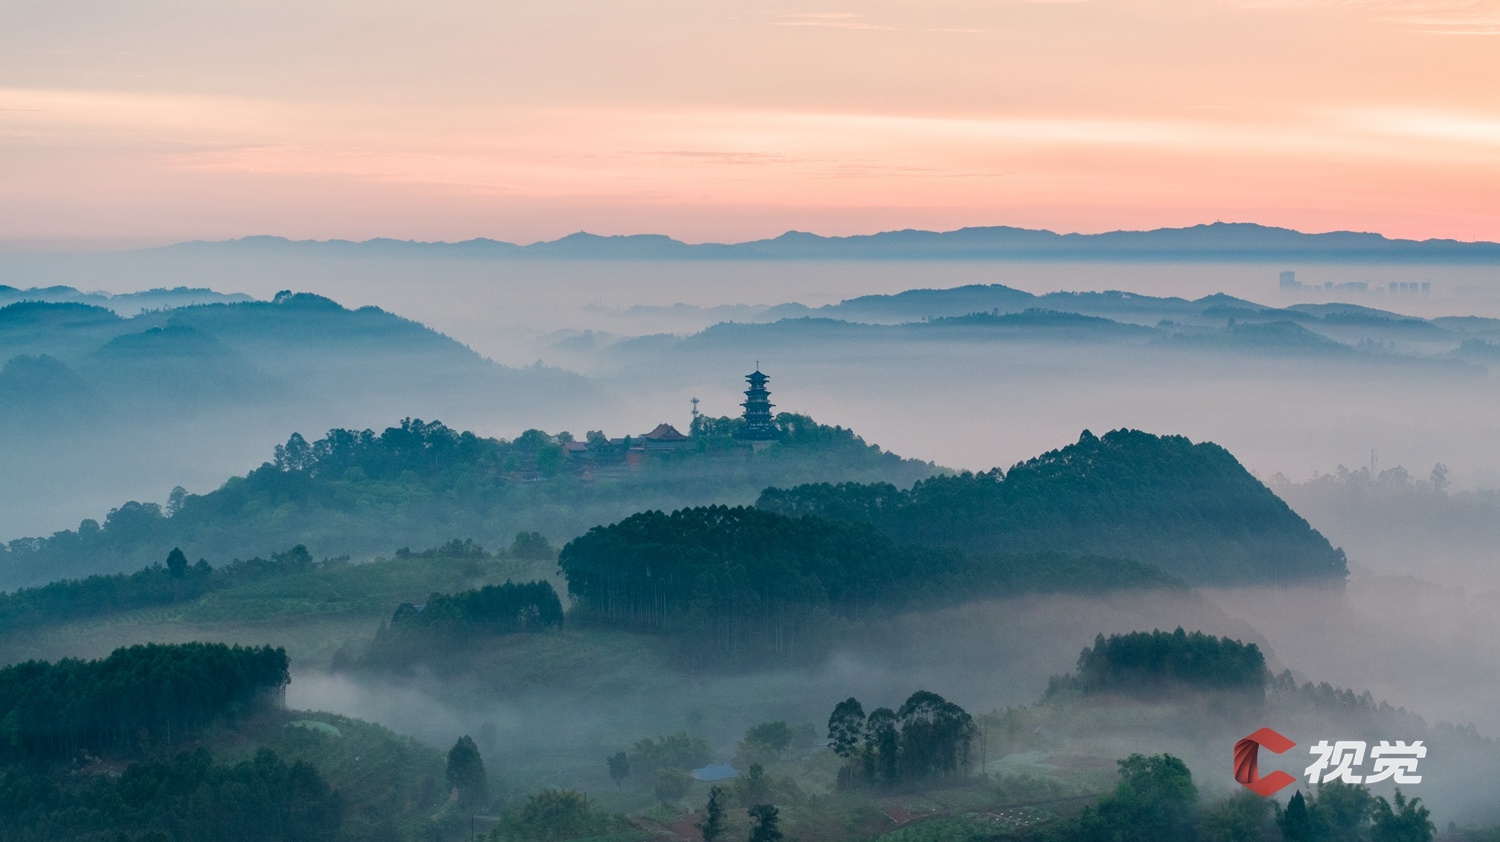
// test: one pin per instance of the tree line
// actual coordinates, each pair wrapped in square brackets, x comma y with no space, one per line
[157,584]
[186,799]
[1156,662]
[739,574]
[745,579]
[1156,800]
[927,738]
[447,620]
[139,696]
[1191,509]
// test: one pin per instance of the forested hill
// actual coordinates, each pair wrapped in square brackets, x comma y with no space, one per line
[420,484]
[746,580]
[125,303]
[98,406]
[1190,509]
[191,742]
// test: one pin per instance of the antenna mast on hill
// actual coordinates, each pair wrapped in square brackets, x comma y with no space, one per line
[695,409]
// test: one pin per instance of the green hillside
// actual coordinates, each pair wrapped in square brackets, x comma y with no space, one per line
[747,580]
[1188,508]
[190,742]
[421,483]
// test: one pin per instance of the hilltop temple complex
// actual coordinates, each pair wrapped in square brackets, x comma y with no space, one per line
[757,429]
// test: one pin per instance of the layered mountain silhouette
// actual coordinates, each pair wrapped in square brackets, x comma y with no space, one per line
[75,361]
[1218,241]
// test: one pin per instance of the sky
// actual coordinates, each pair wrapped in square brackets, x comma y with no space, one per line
[156,121]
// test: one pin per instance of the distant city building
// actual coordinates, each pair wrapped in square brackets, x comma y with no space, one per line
[1289,283]
[1422,288]
[759,426]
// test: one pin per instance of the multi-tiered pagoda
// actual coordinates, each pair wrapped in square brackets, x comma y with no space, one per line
[758,423]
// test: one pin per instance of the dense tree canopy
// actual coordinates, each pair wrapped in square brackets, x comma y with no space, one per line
[752,580]
[1190,509]
[765,823]
[1156,662]
[679,752]
[1340,812]
[773,742]
[186,799]
[138,695]
[738,565]
[927,738]
[492,609]
[466,773]
[1154,801]
[449,620]
[554,814]
[100,595]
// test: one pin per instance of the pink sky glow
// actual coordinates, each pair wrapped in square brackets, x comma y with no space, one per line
[159,121]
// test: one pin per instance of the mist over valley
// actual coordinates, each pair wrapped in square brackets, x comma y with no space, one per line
[483,504]
[759,422]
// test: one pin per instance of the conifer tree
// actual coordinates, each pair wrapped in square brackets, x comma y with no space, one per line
[466,772]
[712,826]
[767,824]
[177,563]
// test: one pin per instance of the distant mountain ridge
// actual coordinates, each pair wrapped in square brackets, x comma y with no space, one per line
[178,361]
[994,313]
[1218,241]
[97,406]
[125,303]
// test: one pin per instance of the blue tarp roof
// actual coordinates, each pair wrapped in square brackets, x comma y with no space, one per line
[716,772]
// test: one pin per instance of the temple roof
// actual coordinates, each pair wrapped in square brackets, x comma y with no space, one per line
[665,432]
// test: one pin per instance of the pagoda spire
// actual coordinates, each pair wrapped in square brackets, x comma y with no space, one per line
[759,425]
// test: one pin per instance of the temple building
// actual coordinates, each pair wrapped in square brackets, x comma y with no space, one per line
[759,426]
[664,437]
[601,457]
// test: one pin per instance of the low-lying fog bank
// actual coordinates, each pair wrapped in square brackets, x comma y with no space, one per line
[1415,646]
